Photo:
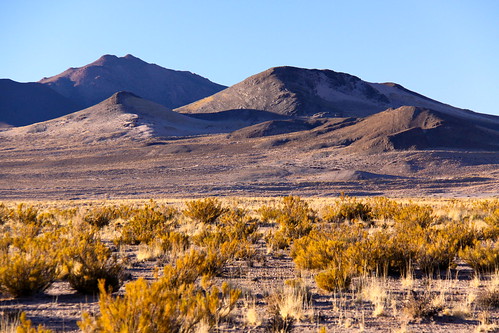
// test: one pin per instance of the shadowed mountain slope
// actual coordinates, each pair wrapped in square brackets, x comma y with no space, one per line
[276,127]
[27,103]
[295,92]
[410,127]
[91,84]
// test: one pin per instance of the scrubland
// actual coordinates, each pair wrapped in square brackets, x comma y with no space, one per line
[250,264]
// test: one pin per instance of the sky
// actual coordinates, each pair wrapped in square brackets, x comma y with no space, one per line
[447,50]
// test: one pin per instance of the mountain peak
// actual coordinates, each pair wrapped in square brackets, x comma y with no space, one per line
[297,92]
[131,57]
[97,81]
[121,96]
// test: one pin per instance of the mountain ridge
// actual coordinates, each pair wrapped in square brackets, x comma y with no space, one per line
[26,103]
[294,91]
[92,83]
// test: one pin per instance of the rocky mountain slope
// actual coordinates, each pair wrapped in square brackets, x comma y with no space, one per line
[295,92]
[91,84]
[123,116]
[27,103]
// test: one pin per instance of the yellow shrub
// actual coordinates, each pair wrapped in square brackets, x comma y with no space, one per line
[413,214]
[335,278]
[100,216]
[88,260]
[26,326]
[4,213]
[318,251]
[146,224]
[161,307]
[206,211]
[28,265]
[295,220]
[347,209]
[483,257]
[384,208]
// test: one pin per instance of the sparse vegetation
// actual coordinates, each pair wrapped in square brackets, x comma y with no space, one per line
[361,260]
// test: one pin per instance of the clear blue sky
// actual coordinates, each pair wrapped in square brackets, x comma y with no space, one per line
[445,49]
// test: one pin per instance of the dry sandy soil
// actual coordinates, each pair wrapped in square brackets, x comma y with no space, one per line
[216,165]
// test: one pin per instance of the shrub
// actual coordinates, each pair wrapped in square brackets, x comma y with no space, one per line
[28,266]
[236,224]
[4,213]
[278,324]
[318,251]
[488,299]
[206,211]
[146,224]
[292,301]
[383,208]
[160,307]
[483,257]
[435,251]
[100,216]
[421,306]
[348,209]
[334,279]
[411,214]
[174,242]
[493,218]
[25,214]
[90,261]
[25,326]
[295,220]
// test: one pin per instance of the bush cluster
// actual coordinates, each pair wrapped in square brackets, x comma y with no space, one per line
[172,303]
[294,218]
[416,241]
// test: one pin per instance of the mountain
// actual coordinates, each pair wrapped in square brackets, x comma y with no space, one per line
[91,84]
[123,116]
[405,128]
[299,92]
[27,103]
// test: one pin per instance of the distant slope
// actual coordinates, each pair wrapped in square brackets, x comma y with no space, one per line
[122,116]
[295,91]
[27,103]
[275,127]
[91,84]
[411,128]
